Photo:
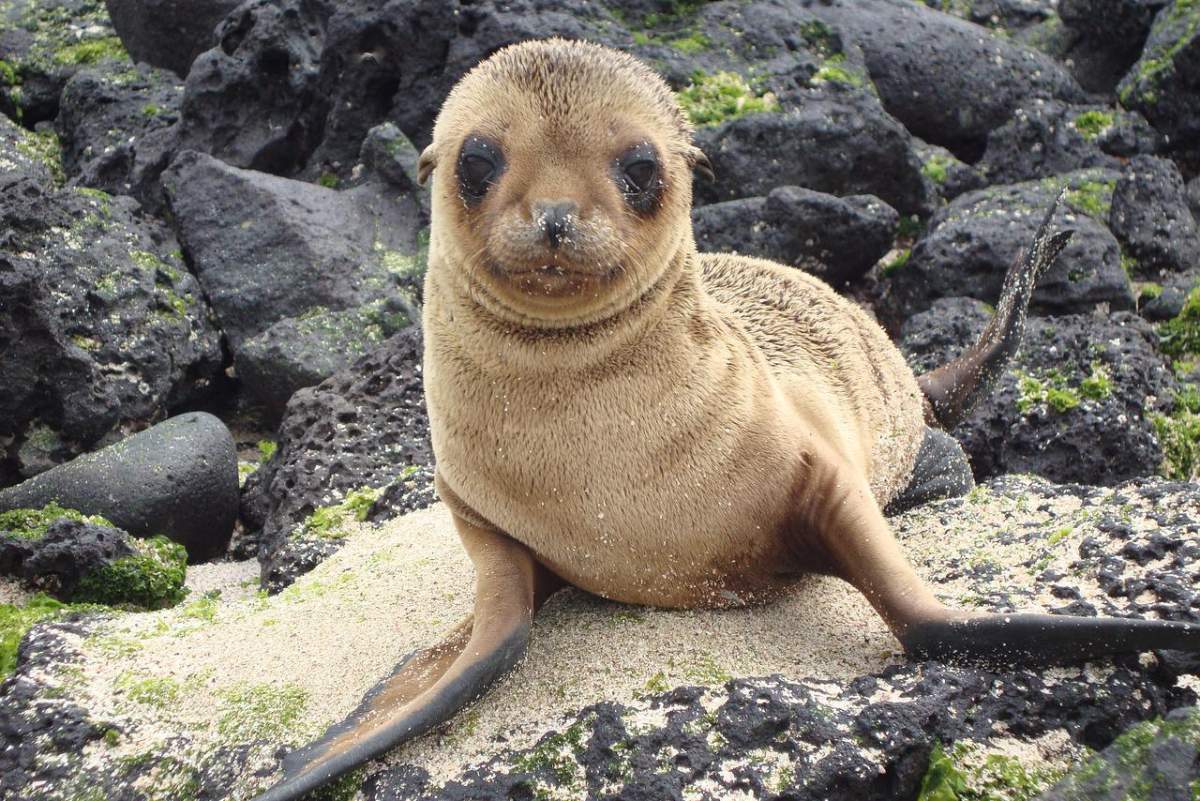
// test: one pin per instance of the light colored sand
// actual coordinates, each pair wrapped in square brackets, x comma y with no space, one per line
[234,581]
[341,628]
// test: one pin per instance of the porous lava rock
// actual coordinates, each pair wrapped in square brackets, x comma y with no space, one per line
[1151,218]
[1047,138]
[118,131]
[365,428]
[1109,35]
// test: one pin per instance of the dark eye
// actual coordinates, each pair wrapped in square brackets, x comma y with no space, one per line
[479,166]
[639,178]
[640,174]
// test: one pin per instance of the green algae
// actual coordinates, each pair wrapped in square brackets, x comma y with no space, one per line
[936,166]
[966,772]
[834,70]
[251,712]
[32,524]
[722,96]
[1178,434]
[93,51]
[159,692]
[1093,198]
[15,622]
[897,263]
[266,450]
[151,578]
[328,522]
[44,148]
[1091,124]
[1181,334]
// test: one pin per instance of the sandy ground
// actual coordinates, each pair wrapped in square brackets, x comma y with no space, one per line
[340,629]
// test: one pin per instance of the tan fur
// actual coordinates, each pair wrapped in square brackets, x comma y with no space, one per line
[651,425]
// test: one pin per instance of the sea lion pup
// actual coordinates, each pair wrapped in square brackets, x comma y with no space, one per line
[612,410]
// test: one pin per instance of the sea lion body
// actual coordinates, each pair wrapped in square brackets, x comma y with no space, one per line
[665,472]
[613,410]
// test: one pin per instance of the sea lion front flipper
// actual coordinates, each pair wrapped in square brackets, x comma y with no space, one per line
[431,685]
[838,508]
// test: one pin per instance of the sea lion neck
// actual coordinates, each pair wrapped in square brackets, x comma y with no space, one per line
[459,312]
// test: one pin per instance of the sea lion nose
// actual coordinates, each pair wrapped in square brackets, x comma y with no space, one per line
[556,219]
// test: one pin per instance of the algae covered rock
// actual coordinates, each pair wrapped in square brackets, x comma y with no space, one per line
[1046,138]
[102,330]
[1078,403]
[970,244]
[118,130]
[1165,82]
[42,44]
[835,239]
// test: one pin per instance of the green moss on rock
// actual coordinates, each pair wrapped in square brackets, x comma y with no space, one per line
[151,578]
[1091,124]
[15,622]
[966,772]
[328,522]
[1181,335]
[92,51]
[1178,434]
[31,524]
[1093,198]
[834,70]
[722,96]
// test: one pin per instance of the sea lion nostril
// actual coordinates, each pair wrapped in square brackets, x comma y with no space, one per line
[556,220]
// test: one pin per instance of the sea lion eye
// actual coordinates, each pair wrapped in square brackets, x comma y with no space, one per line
[640,173]
[480,164]
[638,177]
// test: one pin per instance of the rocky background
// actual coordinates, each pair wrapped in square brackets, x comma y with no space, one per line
[212,206]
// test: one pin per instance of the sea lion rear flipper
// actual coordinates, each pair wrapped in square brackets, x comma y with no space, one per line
[954,388]
[861,548]
[431,685]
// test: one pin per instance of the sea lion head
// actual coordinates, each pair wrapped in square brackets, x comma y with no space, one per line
[563,182]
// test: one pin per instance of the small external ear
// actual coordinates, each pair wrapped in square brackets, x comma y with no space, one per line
[426,164]
[700,163]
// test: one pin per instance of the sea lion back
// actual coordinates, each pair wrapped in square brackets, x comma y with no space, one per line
[827,353]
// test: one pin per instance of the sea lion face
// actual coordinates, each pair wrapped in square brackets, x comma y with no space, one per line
[563,182]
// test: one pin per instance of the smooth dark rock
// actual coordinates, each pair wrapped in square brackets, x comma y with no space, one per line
[1193,194]
[102,328]
[1048,138]
[970,244]
[168,33]
[836,239]
[1102,440]
[118,130]
[1151,218]
[839,142]
[950,82]
[178,479]
[388,153]
[1167,305]
[366,427]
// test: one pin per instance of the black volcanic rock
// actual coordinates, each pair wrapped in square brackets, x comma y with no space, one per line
[168,33]
[1151,218]
[836,239]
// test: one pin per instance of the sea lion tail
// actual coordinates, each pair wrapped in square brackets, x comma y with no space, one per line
[954,388]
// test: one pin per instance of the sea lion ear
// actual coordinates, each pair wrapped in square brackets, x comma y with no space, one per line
[700,163]
[425,165]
